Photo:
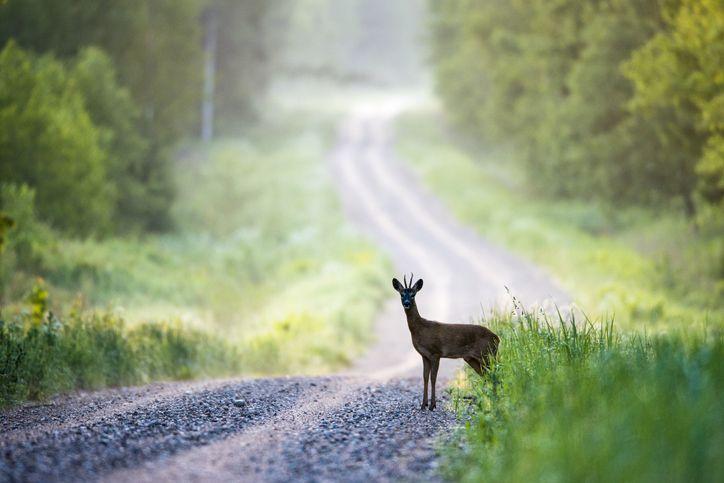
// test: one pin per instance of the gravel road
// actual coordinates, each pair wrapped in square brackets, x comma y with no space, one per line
[361,425]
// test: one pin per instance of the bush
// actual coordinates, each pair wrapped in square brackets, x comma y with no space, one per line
[41,354]
[48,141]
[29,243]
[139,203]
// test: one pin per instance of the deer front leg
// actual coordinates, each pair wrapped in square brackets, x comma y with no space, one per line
[475,364]
[433,377]
[425,377]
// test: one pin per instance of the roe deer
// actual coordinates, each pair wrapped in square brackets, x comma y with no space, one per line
[433,340]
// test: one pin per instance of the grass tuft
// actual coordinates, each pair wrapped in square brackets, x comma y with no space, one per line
[40,356]
[569,401]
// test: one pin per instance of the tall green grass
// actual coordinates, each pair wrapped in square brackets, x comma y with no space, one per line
[651,268]
[585,402]
[42,354]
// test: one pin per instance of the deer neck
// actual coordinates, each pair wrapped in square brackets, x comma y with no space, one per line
[413,317]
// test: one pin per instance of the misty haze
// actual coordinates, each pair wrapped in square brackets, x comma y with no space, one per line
[361,240]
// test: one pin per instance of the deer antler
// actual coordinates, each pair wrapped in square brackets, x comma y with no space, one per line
[412,279]
[404,281]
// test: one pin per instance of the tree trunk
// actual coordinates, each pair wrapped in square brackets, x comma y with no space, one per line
[211,33]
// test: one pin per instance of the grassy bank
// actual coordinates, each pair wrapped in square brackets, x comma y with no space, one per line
[42,354]
[649,268]
[261,257]
[587,402]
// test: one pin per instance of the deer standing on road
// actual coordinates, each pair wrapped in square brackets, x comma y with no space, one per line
[433,340]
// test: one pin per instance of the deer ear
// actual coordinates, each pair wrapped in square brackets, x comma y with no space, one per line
[418,285]
[396,284]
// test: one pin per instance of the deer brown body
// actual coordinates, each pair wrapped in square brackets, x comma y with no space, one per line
[434,340]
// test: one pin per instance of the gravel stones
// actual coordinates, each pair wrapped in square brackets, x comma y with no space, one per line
[308,429]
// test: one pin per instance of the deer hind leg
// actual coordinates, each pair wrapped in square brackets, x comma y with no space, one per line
[433,377]
[475,364]
[425,377]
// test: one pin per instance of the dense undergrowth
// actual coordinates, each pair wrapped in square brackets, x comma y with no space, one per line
[579,401]
[261,269]
[42,354]
[650,268]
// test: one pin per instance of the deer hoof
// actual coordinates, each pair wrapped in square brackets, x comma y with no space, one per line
[432,405]
[423,405]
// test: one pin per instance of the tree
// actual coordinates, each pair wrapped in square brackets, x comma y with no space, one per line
[155,47]
[116,116]
[618,100]
[48,141]
[679,87]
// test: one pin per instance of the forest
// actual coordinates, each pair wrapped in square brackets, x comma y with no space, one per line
[109,88]
[614,101]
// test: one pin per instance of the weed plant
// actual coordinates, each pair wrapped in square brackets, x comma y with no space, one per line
[42,354]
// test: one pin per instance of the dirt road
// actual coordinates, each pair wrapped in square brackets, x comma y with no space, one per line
[464,275]
[359,426]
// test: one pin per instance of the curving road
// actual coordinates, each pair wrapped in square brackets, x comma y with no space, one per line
[362,425]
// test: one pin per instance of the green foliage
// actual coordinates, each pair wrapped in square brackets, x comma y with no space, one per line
[111,108]
[679,81]
[76,140]
[6,223]
[578,88]
[647,267]
[29,243]
[574,402]
[48,141]
[155,46]
[41,354]
[144,39]
[137,66]
[38,301]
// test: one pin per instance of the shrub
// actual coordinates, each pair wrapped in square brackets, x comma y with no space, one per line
[41,354]
[29,243]
[48,141]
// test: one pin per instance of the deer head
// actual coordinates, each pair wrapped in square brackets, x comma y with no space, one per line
[407,292]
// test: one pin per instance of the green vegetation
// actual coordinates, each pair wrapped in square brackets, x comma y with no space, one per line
[49,141]
[41,354]
[614,100]
[648,267]
[262,255]
[95,96]
[569,402]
